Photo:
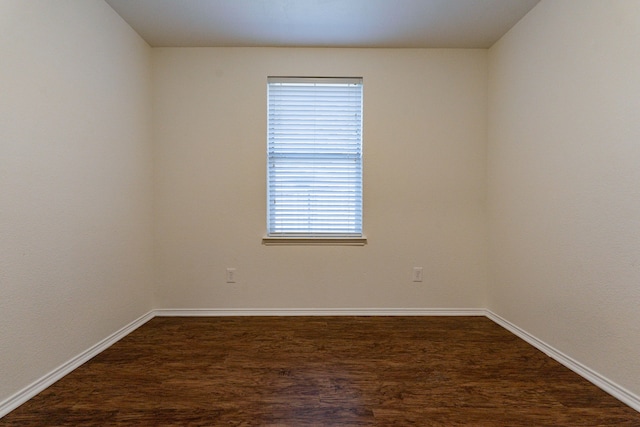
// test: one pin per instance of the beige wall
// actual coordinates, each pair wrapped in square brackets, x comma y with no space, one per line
[564,181]
[424,181]
[75,182]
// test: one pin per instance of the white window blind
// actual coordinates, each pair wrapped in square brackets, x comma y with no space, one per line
[314,180]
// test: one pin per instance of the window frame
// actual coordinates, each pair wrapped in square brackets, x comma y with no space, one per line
[324,237]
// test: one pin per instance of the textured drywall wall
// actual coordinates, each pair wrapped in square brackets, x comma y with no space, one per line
[424,181]
[563,179]
[75,182]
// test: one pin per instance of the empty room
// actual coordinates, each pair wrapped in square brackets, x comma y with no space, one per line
[320,212]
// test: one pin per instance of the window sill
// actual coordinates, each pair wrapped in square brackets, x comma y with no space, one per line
[314,241]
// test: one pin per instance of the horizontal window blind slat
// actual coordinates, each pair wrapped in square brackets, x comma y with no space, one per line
[305,210]
[311,154]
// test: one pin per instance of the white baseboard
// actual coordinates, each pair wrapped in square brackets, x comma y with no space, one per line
[39,385]
[216,312]
[590,375]
[600,381]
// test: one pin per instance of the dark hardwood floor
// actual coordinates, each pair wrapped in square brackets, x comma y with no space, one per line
[322,371]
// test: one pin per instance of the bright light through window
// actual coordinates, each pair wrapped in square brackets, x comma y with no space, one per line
[314,180]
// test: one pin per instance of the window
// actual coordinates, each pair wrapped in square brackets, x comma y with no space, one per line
[314,171]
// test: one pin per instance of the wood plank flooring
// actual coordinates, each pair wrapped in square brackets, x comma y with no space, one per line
[322,371]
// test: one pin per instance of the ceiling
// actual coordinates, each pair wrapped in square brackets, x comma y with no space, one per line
[322,23]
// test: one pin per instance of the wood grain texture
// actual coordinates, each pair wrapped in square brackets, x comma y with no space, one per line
[322,371]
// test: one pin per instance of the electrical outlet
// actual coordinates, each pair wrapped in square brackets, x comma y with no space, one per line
[231,275]
[417,274]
